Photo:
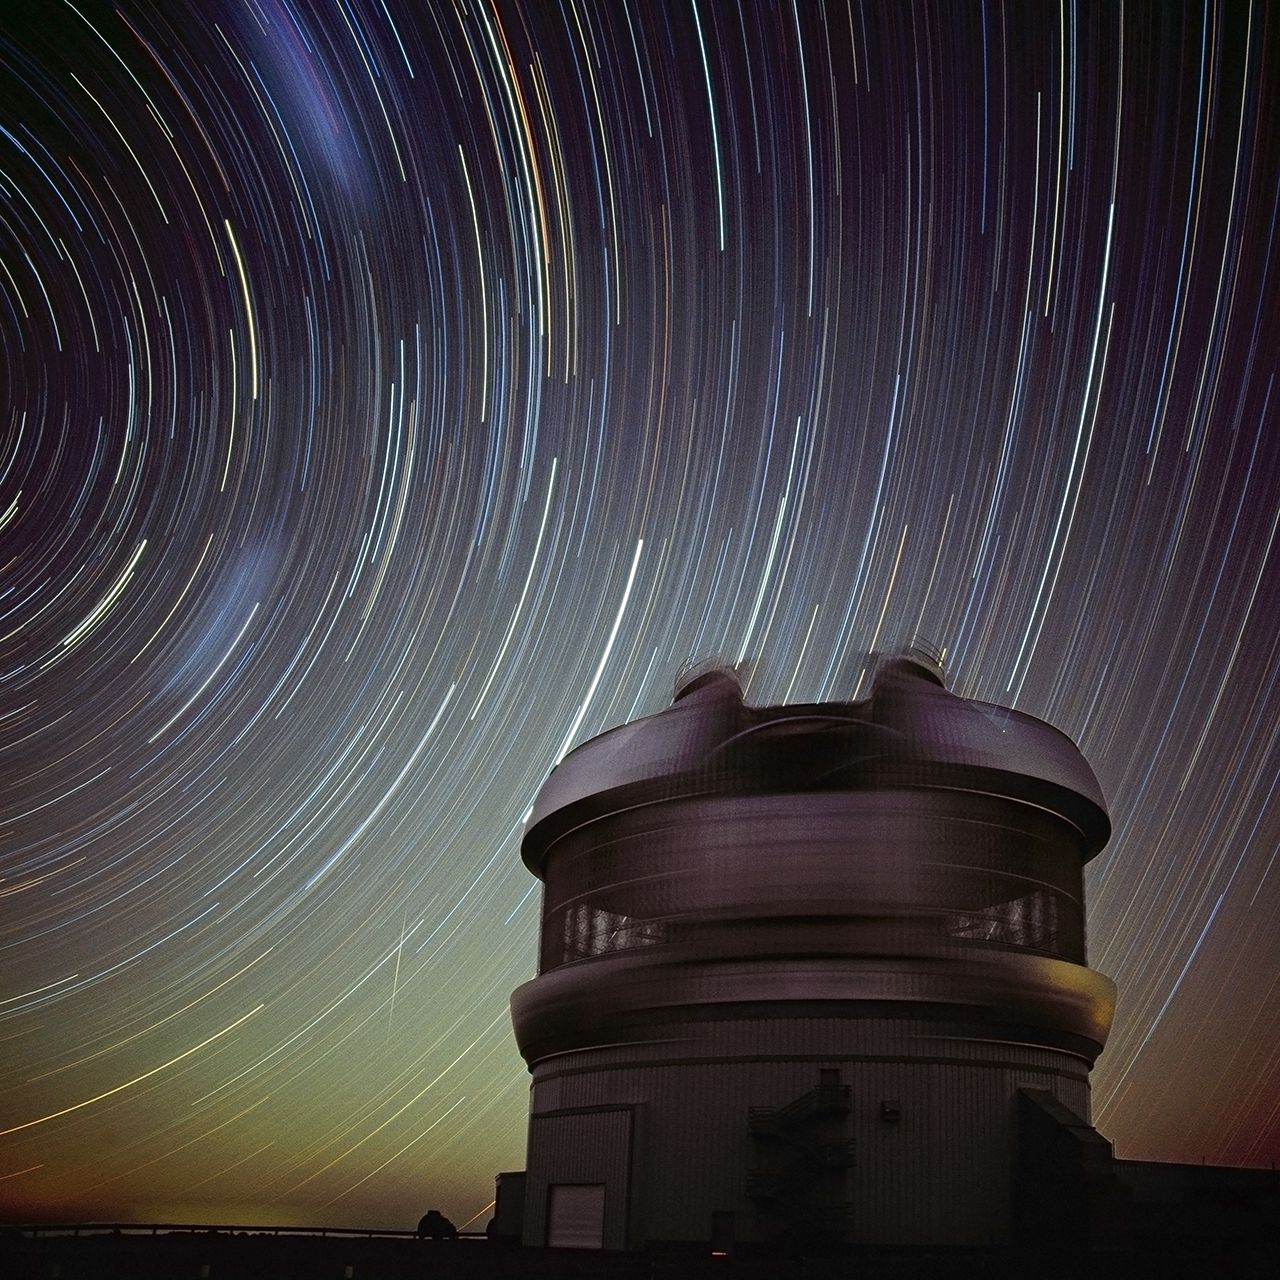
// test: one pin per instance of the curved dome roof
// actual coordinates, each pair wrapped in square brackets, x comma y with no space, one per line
[909,731]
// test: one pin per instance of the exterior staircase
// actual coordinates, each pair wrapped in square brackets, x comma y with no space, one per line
[796,1181]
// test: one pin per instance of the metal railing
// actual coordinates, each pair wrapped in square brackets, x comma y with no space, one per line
[822,1100]
[46,1230]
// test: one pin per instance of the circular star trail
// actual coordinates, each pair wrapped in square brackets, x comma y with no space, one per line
[397,394]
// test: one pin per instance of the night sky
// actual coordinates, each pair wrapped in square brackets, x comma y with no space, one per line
[396,394]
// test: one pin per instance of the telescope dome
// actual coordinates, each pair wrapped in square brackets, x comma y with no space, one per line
[882,896]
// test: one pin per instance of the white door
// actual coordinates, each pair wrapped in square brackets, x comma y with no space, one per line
[575,1215]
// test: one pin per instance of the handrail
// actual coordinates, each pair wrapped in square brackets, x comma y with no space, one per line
[42,1230]
[819,1100]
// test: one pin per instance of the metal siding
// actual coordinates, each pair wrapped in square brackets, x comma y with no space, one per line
[941,1174]
[936,1175]
[580,1148]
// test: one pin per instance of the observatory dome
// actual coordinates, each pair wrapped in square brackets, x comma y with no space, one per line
[883,896]
[910,729]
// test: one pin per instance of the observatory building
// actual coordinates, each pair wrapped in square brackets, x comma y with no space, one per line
[811,972]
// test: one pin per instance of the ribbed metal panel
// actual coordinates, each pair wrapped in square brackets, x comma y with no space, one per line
[935,1166]
[685,1182]
[576,1148]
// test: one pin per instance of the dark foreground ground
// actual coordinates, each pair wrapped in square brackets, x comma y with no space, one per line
[230,1255]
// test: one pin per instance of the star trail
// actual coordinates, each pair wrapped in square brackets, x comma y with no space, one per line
[395,394]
